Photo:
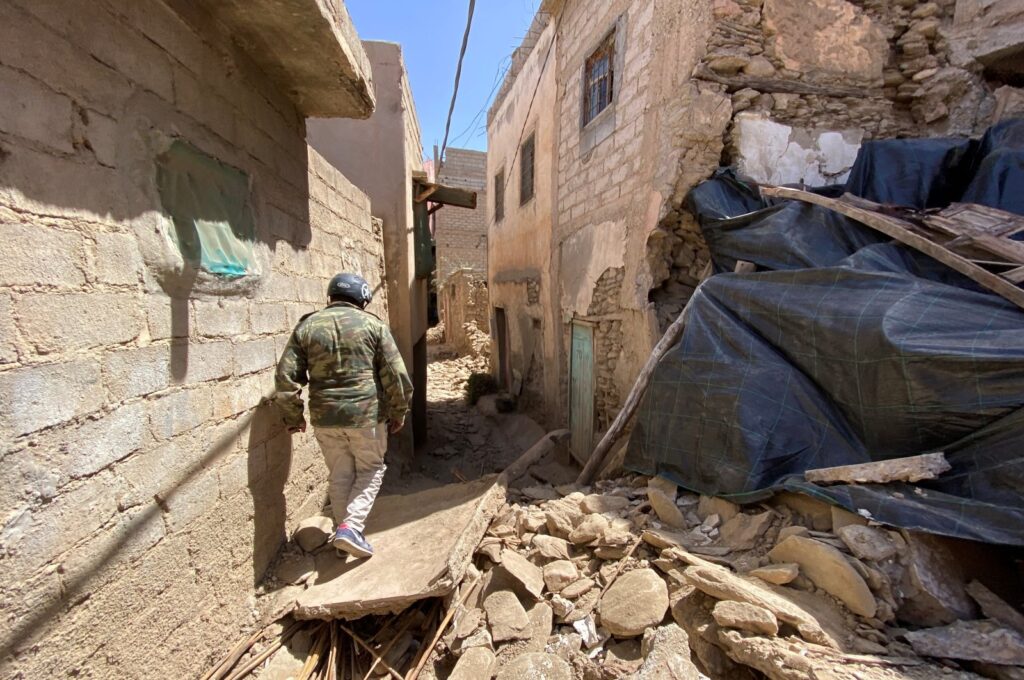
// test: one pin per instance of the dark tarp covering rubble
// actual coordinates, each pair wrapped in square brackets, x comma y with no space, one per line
[845,347]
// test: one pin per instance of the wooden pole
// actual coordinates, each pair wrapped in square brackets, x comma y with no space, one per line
[539,449]
[387,648]
[426,651]
[391,671]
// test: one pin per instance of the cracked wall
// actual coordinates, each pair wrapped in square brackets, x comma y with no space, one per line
[145,488]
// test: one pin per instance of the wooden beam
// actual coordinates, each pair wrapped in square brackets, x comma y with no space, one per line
[739,82]
[868,214]
[439,193]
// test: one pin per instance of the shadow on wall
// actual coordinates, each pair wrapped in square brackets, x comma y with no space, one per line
[267,487]
[270,457]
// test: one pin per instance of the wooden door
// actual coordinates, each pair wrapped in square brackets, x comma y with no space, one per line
[581,391]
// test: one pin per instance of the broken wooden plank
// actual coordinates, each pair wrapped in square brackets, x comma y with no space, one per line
[739,82]
[905,232]
[910,469]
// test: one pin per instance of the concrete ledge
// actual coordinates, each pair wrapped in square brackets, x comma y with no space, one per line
[308,47]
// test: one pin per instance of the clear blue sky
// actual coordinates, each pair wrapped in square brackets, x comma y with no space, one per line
[430,34]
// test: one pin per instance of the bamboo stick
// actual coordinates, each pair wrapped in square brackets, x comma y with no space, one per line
[369,649]
[250,666]
[426,651]
[384,650]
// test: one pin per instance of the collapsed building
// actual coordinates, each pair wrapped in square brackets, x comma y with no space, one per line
[609,117]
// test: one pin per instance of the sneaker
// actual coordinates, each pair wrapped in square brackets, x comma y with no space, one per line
[352,542]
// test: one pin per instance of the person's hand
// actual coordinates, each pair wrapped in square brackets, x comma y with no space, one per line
[395,425]
[298,428]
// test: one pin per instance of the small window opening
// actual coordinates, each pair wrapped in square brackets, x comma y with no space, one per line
[526,171]
[499,195]
[599,79]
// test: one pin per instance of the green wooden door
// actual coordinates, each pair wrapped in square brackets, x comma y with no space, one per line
[581,391]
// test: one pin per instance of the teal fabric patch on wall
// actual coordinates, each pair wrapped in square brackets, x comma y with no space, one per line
[208,201]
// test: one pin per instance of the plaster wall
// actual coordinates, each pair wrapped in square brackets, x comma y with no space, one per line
[381,154]
[145,488]
[520,245]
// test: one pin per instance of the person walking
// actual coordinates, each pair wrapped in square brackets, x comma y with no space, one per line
[359,391]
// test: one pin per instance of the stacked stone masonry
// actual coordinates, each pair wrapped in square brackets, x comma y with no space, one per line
[146,487]
[463,299]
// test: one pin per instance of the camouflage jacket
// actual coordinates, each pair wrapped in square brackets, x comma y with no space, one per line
[355,374]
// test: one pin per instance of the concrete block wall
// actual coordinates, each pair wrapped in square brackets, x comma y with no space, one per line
[463,301]
[144,488]
[460,234]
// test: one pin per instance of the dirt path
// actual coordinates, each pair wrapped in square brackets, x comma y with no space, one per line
[462,443]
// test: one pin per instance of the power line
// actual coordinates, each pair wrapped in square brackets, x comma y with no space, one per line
[458,73]
[498,80]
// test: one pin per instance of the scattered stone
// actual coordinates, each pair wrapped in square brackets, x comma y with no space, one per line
[842,518]
[666,508]
[666,652]
[994,607]
[623,657]
[527,574]
[468,622]
[541,493]
[313,532]
[296,569]
[712,505]
[474,664]
[587,631]
[559,574]
[610,552]
[481,637]
[710,522]
[816,514]
[561,606]
[933,586]
[635,602]
[909,469]
[600,503]
[829,570]
[743,531]
[577,588]
[538,665]
[491,551]
[984,640]
[779,574]
[745,616]
[551,547]
[795,530]
[867,543]
[722,584]
[564,645]
[667,487]
[591,528]
[506,617]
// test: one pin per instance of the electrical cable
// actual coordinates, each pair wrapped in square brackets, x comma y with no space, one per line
[458,74]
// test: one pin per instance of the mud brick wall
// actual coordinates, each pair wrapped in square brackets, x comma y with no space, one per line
[463,298]
[460,233]
[144,488]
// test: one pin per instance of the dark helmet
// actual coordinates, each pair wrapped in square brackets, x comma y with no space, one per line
[352,287]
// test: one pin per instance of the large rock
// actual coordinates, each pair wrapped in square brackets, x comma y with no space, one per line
[829,570]
[313,532]
[476,664]
[994,607]
[635,602]
[933,586]
[779,574]
[536,666]
[577,588]
[600,503]
[524,572]
[712,505]
[745,616]
[867,543]
[743,531]
[551,547]
[665,508]
[591,528]
[666,652]
[984,640]
[506,616]
[559,574]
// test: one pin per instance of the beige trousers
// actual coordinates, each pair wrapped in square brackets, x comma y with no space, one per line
[355,461]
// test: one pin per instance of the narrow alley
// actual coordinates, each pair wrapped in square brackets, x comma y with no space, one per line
[553,339]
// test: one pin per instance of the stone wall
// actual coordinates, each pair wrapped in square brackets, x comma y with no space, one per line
[463,299]
[145,489]
[460,233]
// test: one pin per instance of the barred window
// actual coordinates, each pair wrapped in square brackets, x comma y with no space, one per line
[526,171]
[499,195]
[598,79]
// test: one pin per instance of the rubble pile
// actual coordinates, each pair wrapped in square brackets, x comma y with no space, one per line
[630,578]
